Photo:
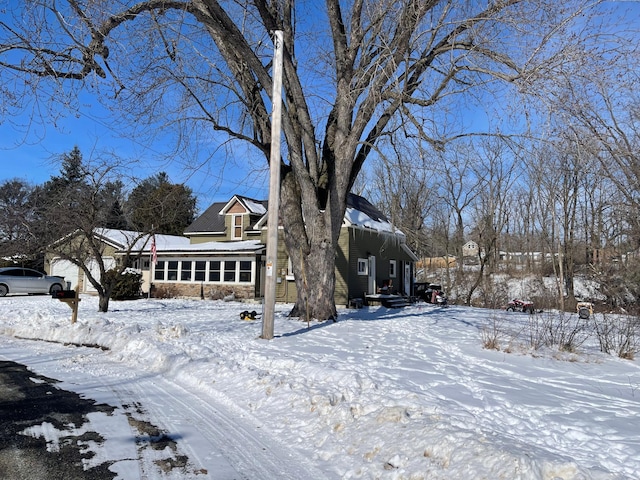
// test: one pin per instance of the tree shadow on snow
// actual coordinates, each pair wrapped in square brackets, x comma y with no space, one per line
[306,329]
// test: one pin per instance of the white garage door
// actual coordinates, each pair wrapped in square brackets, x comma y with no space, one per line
[66,269]
[69,271]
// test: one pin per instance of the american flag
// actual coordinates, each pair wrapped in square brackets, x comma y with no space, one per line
[154,251]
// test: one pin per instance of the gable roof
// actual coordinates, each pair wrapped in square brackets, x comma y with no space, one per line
[212,219]
[360,213]
[363,205]
[254,207]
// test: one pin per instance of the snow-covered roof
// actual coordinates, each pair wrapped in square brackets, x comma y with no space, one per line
[167,242]
[239,246]
[253,206]
[123,239]
[357,218]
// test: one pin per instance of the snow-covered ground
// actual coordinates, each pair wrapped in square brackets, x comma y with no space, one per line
[388,394]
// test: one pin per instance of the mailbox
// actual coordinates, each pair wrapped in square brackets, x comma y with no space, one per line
[64,294]
[70,297]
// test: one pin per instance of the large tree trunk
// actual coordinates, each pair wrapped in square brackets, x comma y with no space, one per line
[103,303]
[103,288]
[315,282]
[311,245]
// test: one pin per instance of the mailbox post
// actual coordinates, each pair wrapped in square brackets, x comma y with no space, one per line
[70,297]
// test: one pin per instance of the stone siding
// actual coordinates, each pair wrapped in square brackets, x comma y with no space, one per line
[207,291]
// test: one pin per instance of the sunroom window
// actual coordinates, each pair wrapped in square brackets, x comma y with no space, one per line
[215,271]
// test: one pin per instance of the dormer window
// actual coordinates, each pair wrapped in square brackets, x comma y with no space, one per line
[236,232]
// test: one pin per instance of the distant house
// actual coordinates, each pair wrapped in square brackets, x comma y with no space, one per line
[470,249]
[222,253]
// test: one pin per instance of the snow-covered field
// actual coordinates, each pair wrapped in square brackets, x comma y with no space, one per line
[389,394]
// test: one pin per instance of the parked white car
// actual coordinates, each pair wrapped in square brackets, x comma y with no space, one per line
[27,280]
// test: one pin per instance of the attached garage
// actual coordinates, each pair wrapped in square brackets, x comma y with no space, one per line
[66,269]
[72,273]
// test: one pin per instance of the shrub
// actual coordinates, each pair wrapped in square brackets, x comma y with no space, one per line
[618,334]
[125,286]
[491,335]
[564,331]
[492,295]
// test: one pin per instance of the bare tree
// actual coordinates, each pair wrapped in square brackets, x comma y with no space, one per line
[459,186]
[593,109]
[496,170]
[349,69]
[612,122]
[607,132]
[70,215]
[402,184]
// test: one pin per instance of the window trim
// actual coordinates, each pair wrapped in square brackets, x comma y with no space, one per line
[363,266]
[290,276]
[162,269]
[235,226]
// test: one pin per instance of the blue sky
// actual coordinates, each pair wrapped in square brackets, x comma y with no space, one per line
[30,153]
[29,148]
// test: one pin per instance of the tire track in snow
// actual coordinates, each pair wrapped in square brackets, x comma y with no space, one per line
[221,443]
[211,434]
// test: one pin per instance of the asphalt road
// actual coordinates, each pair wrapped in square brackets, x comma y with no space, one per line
[28,400]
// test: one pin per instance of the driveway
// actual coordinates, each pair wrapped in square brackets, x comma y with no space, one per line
[102,419]
[32,407]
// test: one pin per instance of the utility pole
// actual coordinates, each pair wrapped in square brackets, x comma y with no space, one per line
[268,314]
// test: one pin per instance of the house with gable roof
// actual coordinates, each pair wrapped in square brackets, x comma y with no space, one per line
[370,250]
[182,269]
[222,253]
[240,218]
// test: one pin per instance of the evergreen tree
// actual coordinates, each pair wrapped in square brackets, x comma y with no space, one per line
[158,205]
[16,238]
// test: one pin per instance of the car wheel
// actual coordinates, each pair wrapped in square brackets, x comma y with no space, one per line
[55,288]
[3,290]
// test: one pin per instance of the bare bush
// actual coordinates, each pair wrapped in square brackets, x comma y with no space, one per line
[535,330]
[491,334]
[492,294]
[565,331]
[618,334]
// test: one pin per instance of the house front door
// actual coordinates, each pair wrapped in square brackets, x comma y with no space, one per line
[372,275]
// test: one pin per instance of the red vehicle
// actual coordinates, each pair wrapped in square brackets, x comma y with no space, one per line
[516,305]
